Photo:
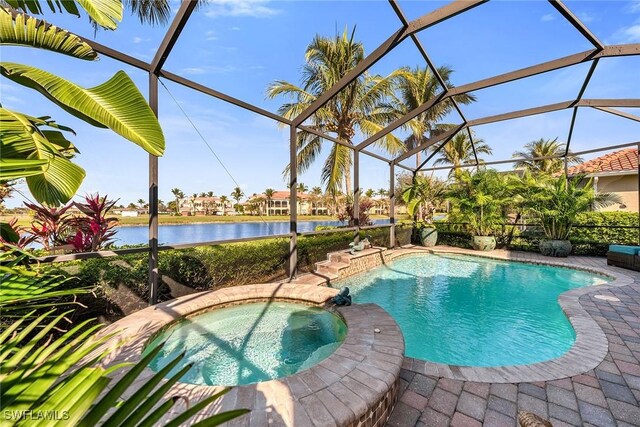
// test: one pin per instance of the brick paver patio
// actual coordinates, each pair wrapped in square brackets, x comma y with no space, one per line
[608,395]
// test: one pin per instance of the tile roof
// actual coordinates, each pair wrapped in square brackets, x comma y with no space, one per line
[618,161]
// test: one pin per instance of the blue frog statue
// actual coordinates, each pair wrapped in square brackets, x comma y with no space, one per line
[343,297]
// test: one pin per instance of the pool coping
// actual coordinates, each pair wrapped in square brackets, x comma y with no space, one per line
[357,384]
[589,349]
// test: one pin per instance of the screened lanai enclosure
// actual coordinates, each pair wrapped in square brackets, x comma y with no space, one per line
[428,16]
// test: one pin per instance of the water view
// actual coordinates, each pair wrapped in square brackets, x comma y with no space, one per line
[193,233]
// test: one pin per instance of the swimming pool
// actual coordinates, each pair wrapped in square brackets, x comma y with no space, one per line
[472,311]
[249,343]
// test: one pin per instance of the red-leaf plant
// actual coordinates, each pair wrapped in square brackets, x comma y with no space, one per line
[346,213]
[50,226]
[94,230]
[13,234]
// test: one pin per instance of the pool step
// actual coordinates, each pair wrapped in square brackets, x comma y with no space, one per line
[339,257]
[331,267]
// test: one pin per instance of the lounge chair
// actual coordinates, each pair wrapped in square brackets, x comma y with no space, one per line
[624,256]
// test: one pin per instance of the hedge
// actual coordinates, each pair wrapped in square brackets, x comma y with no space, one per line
[587,240]
[120,284]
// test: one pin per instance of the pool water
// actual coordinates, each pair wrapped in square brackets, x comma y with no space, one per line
[472,311]
[250,343]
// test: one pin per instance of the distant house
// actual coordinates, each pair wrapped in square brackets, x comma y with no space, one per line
[195,206]
[129,212]
[308,204]
[380,206]
[616,172]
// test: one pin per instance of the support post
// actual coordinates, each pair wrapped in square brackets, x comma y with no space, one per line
[639,194]
[392,205]
[356,194]
[566,167]
[153,201]
[293,203]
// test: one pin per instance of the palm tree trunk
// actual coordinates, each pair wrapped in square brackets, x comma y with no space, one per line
[347,181]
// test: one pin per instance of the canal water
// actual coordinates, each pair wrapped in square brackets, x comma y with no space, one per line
[193,233]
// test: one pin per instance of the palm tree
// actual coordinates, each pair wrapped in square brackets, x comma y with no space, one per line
[178,194]
[369,193]
[423,196]
[193,203]
[416,86]
[141,203]
[557,201]
[360,107]
[268,195]
[203,194]
[544,148]
[236,195]
[459,151]
[210,193]
[224,200]
[302,188]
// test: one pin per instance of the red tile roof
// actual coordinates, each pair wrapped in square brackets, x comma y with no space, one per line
[618,161]
[284,195]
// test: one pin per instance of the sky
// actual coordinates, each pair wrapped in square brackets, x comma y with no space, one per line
[239,47]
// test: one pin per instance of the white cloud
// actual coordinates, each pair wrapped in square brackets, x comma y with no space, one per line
[217,69]
[548,17]
[634,6]
[12,100]
[250,8]
[586,17]
[627,34]
[235,28]
[211,35]
[137,40]
[631,34]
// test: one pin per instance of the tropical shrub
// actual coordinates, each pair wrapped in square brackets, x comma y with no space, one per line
[51,226]
[477,199]
[423,196]
[556,203]
[346,214]
[94,230]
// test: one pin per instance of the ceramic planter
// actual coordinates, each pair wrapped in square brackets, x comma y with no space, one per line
[428,236]
[483,243]
[555,248]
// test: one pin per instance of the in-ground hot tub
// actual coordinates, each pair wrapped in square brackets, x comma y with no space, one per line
[249,343]
[355,385]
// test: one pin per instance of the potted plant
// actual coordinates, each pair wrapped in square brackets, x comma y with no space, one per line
[477,200]
[422,197]
[556,203]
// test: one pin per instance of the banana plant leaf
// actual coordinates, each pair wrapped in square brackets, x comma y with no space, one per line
[106,13]
[35,6]
[116,104]
[21,30]
[23,142]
